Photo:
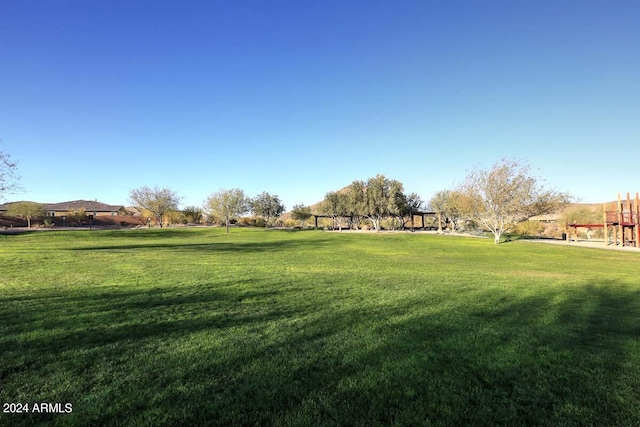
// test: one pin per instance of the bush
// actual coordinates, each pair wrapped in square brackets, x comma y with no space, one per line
[529,228]
[291,223]
[251,222]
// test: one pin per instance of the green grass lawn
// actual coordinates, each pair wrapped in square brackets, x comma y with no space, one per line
[266,327]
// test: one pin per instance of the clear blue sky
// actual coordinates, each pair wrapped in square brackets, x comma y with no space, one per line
[298,97]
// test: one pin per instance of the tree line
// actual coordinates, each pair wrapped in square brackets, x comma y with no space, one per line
[495,199]
[222,206]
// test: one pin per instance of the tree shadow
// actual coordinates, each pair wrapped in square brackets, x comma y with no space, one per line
[271,356]
[239,247]
[545,360]
[531,361]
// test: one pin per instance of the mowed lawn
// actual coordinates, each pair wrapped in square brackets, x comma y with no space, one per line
[269,327]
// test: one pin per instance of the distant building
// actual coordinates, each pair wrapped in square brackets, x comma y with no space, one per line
[546,218]
[94,208]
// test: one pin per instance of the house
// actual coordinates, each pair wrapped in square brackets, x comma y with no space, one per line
[94,208]
[549,218]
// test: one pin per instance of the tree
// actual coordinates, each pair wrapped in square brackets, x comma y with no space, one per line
[403,205]
[507,194]
[301,213]
[381,197]
[266,206]
[227,204]
[8,176]
[356,203]
[78,216]
[26,210]
[374,199]
[158,201]
[438,203]
[450,207]
[335,206]
[192,214]
[581,215]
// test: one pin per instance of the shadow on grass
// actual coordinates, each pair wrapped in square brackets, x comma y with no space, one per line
[102,318]
[251,246]
[264,357]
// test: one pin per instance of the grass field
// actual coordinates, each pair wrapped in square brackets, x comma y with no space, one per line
[269,327]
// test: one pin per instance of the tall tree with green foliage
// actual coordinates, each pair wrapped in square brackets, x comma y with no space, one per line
[507,194]
[356,203]
[266,206]
[381,196]
[158,201]
[335,206]
[375,199]
[26,210]
[227,204]
[403,205]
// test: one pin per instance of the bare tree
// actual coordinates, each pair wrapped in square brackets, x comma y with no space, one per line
[507,194]
[8,176]
[227,204]
[158,201]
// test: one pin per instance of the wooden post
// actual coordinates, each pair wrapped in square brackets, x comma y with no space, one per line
[637,221]
[606,234]
[629,219]
[614,216]
[620,221]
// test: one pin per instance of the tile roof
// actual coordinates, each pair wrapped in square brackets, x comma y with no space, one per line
[87,205]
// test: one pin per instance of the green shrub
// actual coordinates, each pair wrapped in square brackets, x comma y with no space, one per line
[529,228]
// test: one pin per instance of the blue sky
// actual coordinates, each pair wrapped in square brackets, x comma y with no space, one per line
[298,98]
